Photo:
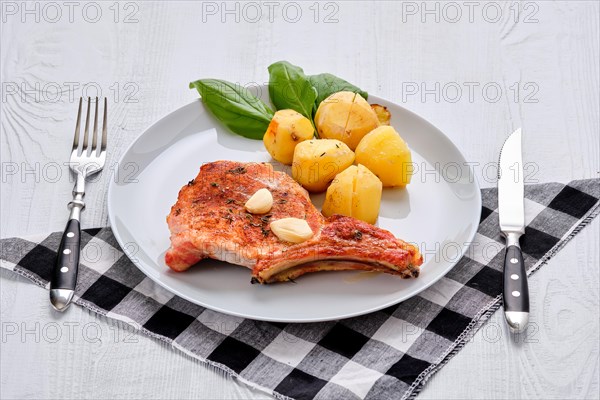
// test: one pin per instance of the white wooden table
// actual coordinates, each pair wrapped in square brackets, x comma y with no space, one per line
[477,76]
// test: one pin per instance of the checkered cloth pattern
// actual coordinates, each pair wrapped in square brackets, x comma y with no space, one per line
[387,354]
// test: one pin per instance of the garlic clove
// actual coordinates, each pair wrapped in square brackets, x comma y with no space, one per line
[260,202]
[293,230]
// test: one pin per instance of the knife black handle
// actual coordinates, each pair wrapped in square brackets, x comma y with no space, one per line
[516,290]
[67,259]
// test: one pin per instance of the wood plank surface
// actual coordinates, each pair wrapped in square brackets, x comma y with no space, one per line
[477,77]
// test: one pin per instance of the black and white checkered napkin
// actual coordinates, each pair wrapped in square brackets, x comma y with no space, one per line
[386,354]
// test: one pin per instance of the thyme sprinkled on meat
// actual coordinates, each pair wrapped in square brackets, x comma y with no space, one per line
[214,184]
[190,183]
[205,215]
[237,171]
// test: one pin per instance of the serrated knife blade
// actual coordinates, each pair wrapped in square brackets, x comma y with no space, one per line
[511,210]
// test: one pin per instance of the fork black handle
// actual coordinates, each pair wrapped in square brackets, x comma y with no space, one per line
[64,277]
[67,259]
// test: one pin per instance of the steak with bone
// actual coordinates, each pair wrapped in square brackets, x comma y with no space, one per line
[209,221]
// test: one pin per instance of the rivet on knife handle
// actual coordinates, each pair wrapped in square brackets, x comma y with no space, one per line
[516,291]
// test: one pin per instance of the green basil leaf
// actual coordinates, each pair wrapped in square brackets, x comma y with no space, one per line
[235,107]
[289,88]
[328,84]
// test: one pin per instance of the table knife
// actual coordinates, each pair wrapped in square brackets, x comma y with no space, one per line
[512,225]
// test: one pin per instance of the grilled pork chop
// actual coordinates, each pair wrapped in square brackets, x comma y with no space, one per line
[209,221]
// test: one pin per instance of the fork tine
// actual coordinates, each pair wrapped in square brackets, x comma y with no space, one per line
[95,134]
[104,121]
[77,125]
[84,148]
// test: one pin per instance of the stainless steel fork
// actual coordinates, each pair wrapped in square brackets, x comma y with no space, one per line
[84,162]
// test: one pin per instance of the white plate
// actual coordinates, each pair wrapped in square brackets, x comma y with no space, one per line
[439,211]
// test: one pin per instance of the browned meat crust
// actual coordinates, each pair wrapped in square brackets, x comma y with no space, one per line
[209,221]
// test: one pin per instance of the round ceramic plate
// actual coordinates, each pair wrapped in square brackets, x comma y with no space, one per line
[439,211]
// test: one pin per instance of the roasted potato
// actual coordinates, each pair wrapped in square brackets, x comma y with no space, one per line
[383,114]
[316,162]
[338,199]
[355,192]
[366,199]
[345,116]
[286,130]
[385,153]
